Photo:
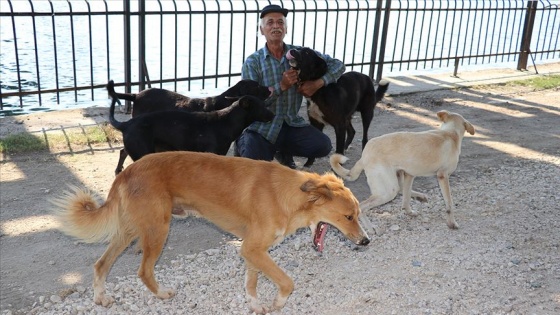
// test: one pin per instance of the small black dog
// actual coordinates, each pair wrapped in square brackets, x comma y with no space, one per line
[334,104]
[154,99]
[175,130]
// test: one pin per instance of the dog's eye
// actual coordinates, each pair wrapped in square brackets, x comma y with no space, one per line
[349,217]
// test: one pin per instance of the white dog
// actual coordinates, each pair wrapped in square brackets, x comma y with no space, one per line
[391,162]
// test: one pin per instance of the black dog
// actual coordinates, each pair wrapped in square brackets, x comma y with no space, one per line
[334,104]
[154,99]
[188,131]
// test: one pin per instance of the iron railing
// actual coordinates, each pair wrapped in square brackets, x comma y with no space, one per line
[66,51]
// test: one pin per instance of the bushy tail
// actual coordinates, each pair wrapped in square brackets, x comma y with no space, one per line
[337,160]
[79,215]
[381,90]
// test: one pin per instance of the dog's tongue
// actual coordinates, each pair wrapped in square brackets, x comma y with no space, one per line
[289,55]
[319,236]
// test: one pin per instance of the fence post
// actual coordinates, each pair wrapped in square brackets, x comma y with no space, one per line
[384,32]
[525,48]
[141,45]
[127,66]
[375,38]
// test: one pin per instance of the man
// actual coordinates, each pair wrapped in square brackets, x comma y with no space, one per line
[288,133]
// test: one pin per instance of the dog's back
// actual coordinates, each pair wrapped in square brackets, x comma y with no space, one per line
[190,131]
[419,153]
[155,99]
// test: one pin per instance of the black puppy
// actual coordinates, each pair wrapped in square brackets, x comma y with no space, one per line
[188,131]
[154,99]
[334,104]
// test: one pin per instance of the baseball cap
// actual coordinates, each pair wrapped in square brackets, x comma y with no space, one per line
[273,8]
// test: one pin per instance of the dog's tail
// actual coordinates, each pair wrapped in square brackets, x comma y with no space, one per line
[79,215]
[381,90]
[124,96]
[115,123]
[337,160]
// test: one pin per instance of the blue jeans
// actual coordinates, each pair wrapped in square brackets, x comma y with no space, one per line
[306,141]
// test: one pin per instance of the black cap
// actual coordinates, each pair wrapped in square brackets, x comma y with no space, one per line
[273,8]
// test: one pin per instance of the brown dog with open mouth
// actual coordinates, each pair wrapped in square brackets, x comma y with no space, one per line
[259,202]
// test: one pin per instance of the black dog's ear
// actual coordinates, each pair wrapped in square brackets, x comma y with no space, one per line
[242,101]
[208,105]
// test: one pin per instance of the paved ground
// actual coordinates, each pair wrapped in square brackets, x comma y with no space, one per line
[422,83]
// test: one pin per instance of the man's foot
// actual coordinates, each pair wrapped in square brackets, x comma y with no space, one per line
[285,159]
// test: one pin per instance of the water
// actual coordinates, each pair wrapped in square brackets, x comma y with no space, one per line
[346,35]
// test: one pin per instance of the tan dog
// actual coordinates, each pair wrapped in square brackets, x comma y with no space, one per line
[391,162]
[260,202]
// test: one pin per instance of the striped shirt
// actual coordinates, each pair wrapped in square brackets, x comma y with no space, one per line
[262,67]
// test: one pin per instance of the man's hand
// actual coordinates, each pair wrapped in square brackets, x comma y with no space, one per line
[289,78]
[308,88]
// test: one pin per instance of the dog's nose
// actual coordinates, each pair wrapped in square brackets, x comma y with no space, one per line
[364,241]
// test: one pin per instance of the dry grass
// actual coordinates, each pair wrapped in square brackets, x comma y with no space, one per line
[55,139]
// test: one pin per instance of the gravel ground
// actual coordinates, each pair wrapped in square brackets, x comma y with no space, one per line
[504,259]
[501,261]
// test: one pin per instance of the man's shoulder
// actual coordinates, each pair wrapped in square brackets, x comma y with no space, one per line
[257,55]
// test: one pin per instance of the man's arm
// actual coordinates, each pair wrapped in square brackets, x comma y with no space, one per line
[251,71]
[335,69]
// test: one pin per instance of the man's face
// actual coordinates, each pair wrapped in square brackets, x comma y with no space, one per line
[273,27]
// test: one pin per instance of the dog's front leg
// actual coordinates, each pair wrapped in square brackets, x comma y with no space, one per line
[340,135]
[251,279]
[258,259]
[443,180]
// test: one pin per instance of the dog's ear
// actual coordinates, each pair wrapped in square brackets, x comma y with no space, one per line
[317,193]
[469,127]
[209,104]
[442,115]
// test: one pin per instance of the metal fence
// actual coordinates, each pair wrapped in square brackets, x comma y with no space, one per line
[66,51]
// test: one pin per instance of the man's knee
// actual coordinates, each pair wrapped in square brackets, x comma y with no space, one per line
[324,147]
[254,146]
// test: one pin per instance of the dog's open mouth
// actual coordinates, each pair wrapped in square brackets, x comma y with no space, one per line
[291,60]
[319,236]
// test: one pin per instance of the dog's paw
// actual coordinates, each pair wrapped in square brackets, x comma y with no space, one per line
[165,293]
[279,303]
[256,307]
[452,225]
[421,198]
[259,309]
[411,212]
[102,299]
